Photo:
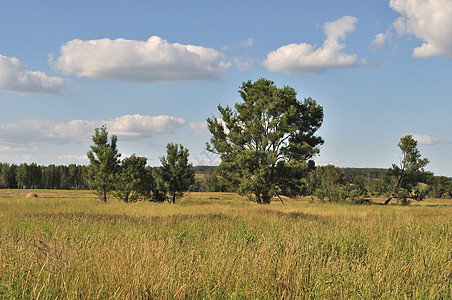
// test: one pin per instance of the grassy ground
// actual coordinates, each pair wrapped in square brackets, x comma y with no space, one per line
[67,244]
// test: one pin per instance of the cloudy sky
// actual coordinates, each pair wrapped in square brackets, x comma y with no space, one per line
[153,71]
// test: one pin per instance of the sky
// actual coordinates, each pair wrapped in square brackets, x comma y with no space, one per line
[154,71]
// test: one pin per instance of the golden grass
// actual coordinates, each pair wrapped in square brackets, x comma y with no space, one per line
[67,244]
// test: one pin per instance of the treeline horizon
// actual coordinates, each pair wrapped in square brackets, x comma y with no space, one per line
[324,182]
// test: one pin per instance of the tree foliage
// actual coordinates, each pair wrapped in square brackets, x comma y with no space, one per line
[267,142]
[409,173]
[104,163]
[134,180]
[176,173]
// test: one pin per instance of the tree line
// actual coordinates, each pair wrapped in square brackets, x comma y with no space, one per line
[266,143]
[33,176]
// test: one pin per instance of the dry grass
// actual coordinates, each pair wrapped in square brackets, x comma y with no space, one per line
[66,244]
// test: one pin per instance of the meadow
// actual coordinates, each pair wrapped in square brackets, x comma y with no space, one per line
[68,244]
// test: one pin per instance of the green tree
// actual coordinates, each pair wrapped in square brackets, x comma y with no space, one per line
[176,173]
[8,176]
[135,180]
[51,178]
[407,176]
[332,183]
[23,176]
[267,142]
[440,187]
[104,163]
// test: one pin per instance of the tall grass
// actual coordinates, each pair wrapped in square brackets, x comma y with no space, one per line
[69,245]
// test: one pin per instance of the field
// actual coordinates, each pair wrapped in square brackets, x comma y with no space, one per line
[67,244]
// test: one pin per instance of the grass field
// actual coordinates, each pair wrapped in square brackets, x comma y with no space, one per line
[67,244]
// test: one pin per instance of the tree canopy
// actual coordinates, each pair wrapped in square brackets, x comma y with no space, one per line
[267,142]
[134,180]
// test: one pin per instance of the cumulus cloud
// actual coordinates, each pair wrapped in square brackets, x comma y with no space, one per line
[143,126]
[16,78]
[29,133]
[429,21]
[423,139]
[151,61]
[305,59]
[199,127]
[379,41]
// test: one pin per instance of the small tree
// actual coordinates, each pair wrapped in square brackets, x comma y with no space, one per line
[135,180]
[176,173]
[407,176]
[267,142]
[104,163]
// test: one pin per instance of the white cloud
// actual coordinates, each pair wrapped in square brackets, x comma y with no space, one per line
[379,41]
[423,139]
[305,59]
[31,133]
[248,42]
[429,21]
[16,78]
[151,61]
[371,62]
[143,126]
[199,127]
[243,63]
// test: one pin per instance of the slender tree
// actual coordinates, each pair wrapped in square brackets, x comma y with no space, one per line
[267,142]
[176,173]
[407,176]
[104,163]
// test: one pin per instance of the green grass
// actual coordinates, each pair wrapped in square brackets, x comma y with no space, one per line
[67,244]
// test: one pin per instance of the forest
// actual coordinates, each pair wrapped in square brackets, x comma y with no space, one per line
[371,182]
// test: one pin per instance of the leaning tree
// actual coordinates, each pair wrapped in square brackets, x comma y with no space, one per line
[267,142]
[407,176]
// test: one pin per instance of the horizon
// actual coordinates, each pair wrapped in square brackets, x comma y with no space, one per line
[154,72]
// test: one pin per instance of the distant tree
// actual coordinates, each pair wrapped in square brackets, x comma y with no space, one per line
[267,142]
[135,180]
[381,186]
[51,178]
[104,163]
[8,176]
[331,183]
[407,176]
[176,173]
[23,176]
[439,187]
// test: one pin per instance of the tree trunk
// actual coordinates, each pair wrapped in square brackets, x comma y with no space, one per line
[174,197]
[258,198]
[388,200]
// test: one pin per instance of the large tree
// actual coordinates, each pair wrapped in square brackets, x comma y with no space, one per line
[176,173]
[267,142]
[104,163]
[410,172]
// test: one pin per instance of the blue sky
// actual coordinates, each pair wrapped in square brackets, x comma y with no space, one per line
[153,71]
